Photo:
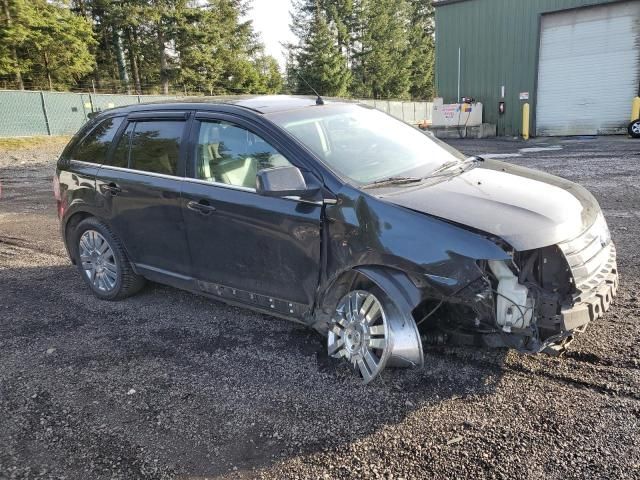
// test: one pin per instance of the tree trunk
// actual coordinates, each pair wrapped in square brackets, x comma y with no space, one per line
[46,67]
[139,58]
[134,62]
[19,82]
[164,74]
[14,52]
[82,8]
[122,67]
[112,71]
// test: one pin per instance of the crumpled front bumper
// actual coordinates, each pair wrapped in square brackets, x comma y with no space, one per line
[593,266]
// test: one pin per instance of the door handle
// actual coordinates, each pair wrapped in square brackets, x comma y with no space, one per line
[202,207]
[112,188]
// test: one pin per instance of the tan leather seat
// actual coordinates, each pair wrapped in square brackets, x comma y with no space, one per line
[241,172]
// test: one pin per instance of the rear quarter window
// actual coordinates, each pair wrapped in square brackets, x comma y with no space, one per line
[120,156]
[94,146]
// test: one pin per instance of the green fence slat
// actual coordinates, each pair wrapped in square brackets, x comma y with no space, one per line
[21,114]
[65,112]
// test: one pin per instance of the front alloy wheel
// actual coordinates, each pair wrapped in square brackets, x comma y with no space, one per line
[98,261]
[359,332]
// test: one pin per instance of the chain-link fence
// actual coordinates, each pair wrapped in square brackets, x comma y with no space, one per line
[30,113]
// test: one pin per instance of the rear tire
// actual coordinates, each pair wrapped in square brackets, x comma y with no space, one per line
[102,261]
[634,129]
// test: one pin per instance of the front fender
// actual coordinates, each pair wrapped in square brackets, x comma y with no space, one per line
[396,284]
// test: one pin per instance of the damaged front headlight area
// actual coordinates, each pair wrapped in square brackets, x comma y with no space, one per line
[514,304]
[530,291]
[535,301]
[498,309]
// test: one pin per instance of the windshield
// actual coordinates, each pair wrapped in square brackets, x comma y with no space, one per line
[365,145]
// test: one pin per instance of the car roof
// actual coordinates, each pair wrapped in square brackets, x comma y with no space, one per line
[258,103]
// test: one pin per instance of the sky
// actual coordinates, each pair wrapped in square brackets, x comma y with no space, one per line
[271,20]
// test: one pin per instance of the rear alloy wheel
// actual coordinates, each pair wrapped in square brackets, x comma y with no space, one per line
[98,261]
[634,129]
[360,333]
[102,261]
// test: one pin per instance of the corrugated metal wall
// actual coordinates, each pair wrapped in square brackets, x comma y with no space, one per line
[25,113]
[498,40]
[588,70]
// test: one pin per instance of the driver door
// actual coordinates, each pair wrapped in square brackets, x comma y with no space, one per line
[247,248]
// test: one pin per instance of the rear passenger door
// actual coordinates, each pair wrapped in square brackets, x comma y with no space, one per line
[141,187]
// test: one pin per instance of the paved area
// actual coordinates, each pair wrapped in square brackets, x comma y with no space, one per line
[171,385]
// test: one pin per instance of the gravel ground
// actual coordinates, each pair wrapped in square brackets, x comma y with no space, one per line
[171,385]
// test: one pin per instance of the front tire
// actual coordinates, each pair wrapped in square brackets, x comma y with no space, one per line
[634,129]
[102,261]
[359,332]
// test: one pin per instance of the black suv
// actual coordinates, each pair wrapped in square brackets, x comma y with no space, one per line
[337,216]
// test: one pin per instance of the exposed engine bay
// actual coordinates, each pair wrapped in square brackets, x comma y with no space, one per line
[535,302]
[490,254]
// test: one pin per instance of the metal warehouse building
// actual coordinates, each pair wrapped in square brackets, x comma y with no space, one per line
[576,62]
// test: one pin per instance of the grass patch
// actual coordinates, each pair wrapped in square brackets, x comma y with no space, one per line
[26,143]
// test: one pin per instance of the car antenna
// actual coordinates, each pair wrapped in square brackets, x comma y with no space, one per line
[319,100]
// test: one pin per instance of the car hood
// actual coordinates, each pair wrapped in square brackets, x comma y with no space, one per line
[527,208]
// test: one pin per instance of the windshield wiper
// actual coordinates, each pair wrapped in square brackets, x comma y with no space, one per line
[454,163]
[393,181]
[400,180]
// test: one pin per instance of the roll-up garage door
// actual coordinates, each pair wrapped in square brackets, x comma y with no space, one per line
[589,70]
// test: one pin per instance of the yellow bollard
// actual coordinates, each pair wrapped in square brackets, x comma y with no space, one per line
[525,121]
[635,109]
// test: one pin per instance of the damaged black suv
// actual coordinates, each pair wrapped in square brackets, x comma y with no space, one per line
[337,216]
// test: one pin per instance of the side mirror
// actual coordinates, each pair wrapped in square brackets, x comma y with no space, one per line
[283,182]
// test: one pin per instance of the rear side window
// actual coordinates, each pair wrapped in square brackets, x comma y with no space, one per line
[94,147]
[155,146]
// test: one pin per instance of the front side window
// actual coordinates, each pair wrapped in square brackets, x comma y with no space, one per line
[155,146]
[93,148]
[365,145]
[227,153]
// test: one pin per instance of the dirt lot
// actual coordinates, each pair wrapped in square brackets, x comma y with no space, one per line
[167,384]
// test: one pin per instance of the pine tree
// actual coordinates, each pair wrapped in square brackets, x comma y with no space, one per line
[341,16]
[145,46]
[388,44]
[421,49]
[272,81]
[196,45]
[13,33]
[198,42]
[319,60]
[238,48]
[49,43]
[290,71]
[382,63]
